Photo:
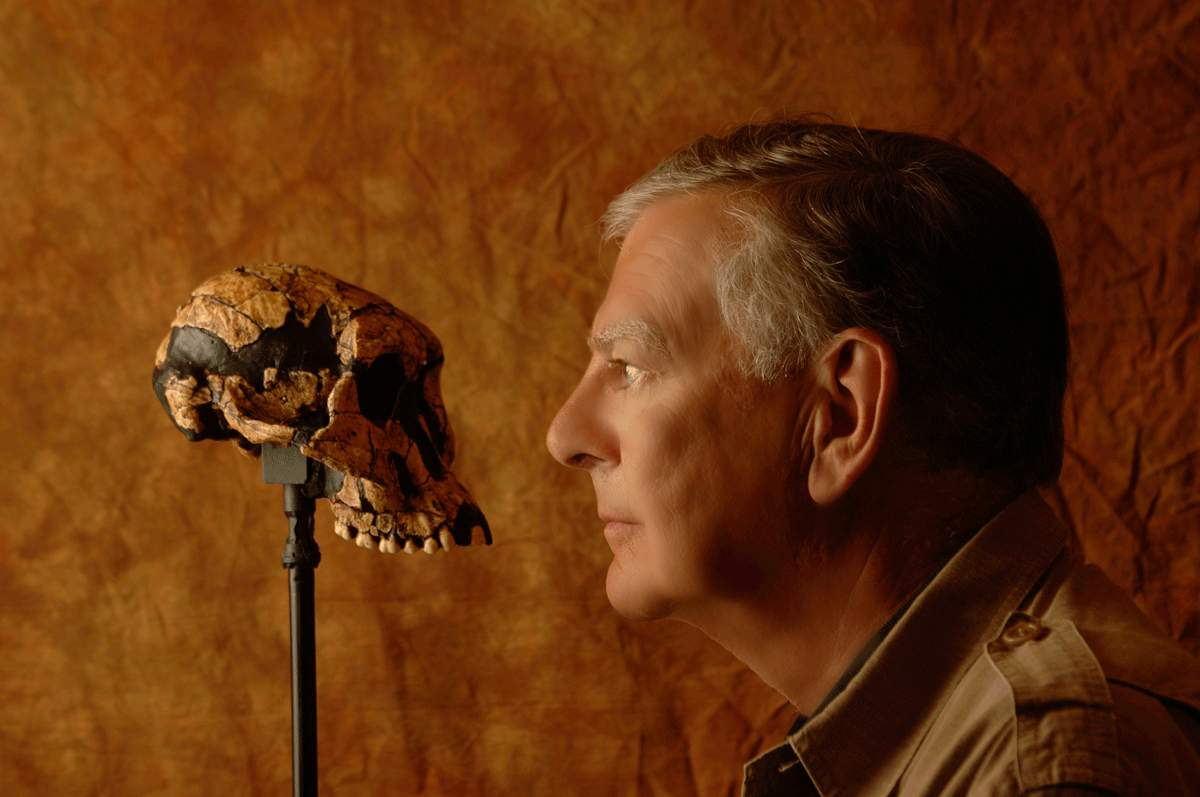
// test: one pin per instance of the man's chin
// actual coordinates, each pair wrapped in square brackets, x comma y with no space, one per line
[631,597]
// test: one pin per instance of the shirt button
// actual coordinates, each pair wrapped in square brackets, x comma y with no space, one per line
[1021,632]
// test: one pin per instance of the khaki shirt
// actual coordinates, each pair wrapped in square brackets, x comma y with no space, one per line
[1017,669]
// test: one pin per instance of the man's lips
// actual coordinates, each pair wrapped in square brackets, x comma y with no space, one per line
[617,530]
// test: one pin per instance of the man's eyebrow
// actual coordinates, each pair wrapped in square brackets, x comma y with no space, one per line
[635,329]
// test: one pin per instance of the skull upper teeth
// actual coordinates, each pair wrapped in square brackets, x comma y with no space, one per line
[394,540]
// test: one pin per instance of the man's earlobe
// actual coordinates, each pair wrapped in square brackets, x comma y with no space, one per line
[855,383]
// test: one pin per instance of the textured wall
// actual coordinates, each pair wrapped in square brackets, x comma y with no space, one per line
[454,160]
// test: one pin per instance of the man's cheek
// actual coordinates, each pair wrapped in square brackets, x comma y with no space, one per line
[673,459]
[679,431]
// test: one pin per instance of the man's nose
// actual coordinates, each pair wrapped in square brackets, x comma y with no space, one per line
[576,436]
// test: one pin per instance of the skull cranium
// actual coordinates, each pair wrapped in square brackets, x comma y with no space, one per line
[289,355]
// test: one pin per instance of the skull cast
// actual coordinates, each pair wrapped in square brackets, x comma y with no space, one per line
[289,355]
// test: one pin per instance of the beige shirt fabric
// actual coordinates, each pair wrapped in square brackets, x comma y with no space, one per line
[1018,669]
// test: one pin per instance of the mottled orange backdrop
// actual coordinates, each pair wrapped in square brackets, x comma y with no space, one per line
[454,157]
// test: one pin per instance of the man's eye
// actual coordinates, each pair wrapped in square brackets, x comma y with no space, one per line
[630,373]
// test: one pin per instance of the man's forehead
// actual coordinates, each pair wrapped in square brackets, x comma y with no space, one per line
[660,294]
[680,222]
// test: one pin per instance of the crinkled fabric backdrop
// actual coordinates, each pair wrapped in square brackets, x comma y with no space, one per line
[454,158]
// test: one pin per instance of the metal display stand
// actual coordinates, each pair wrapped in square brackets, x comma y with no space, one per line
[301,555]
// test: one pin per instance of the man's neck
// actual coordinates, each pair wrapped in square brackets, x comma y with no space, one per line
[800,639]
[800,633]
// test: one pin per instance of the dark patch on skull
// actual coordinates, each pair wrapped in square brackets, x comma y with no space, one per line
[403,477]
[414,417]
[422,423]
[292,347]
[470,516]
[387,394]
[379,387]
[366,505]
[214,424]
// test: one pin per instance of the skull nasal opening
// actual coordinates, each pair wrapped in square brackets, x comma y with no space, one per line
[379,386]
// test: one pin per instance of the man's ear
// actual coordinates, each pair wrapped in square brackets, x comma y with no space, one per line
[855,384]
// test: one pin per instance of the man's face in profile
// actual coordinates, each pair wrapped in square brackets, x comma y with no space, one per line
[663,421]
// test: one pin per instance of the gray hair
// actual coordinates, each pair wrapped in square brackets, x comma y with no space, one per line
[779,292]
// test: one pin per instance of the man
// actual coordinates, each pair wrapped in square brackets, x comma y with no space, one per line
[825,382]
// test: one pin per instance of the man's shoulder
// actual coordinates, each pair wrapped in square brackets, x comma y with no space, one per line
[1130,649]
[1119,715]
[1085,694]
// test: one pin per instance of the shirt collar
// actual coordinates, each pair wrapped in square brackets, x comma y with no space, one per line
[858,661]
[860,742]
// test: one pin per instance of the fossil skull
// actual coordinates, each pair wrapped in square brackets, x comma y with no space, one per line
[289,355]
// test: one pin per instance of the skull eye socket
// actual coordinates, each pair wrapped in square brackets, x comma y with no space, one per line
[379,386]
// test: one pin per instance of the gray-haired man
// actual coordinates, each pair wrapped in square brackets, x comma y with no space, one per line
[825,381]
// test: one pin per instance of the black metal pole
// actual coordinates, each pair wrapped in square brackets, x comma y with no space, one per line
[301,555]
